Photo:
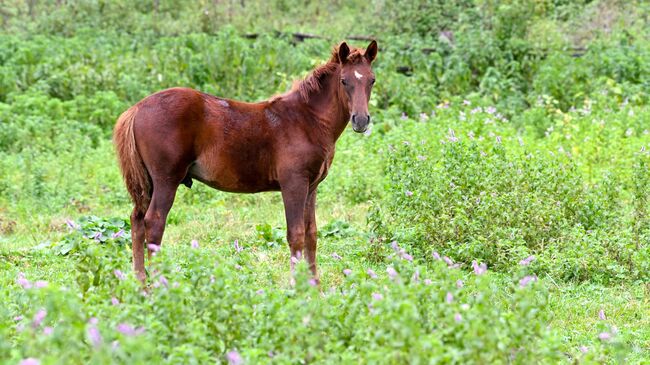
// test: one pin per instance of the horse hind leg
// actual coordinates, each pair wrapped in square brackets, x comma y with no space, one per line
[156,216]
[137,237]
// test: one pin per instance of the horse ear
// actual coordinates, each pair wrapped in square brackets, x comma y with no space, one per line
[343,52]
[371,51]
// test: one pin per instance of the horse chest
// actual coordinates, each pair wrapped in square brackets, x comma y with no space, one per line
[324,168]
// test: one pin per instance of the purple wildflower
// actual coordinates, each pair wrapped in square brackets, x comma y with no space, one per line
[368,132]
[97,236]
[452,136]
[47,330]
[436,256]
[30,361]
[499,139]
[260,291]
[394,246]
[605,336]
[40,284]
[458,317]
[336,256]
[424,117]
[449,261]
[404,116]
[377,296]
[527,280]
[125,329]
[416,276]
[115,301]
[238,247]
[128,330]
[119,274]
[234,358]
[313,282]
[406,256]
[22,281]
[94,336]
[163,280]
[459,283]
[71,224]
[39,317]
[371,273]
[18,318]
[428,282]
[194,244]
[93,321]
[294,259]
[449,298]
[212,279]
[347,272]
[409,193]
[421,158]
[527,261]
[154,248]
[601,315]
[467,102]
[490,110]
[584,349]
[391,272]
[118,234]
[479,269]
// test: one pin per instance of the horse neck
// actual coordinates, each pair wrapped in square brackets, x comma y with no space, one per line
[330,107]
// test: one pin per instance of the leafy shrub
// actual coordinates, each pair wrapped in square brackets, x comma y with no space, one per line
[338,229]
[500,203]
[97,245]
[270,236]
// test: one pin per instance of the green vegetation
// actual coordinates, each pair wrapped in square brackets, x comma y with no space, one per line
[511,136]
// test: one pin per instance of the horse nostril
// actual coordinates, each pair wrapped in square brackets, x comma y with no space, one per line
[368,118]
[353,118]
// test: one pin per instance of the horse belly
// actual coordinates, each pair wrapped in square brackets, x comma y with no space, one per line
[235,173]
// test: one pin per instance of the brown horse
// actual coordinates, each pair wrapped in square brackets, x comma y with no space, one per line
[285,143]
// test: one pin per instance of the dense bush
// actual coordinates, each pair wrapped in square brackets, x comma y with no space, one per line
[479,195]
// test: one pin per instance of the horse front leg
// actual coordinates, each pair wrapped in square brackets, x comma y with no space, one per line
[294,196]
[311,233]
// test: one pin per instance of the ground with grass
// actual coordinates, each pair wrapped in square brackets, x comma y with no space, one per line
[496,213]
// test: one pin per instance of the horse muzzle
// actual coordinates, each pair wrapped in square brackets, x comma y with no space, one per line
[360,122]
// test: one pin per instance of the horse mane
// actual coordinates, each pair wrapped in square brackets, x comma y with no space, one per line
[313,83]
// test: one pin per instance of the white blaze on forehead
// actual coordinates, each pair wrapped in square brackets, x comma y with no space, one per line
[357,75]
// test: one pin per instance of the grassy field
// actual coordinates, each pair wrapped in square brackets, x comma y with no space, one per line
[497,213]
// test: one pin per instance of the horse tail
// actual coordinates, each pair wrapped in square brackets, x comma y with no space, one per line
[136,176]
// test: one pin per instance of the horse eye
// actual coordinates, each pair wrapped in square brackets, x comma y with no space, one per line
[344,82]
[372,82]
